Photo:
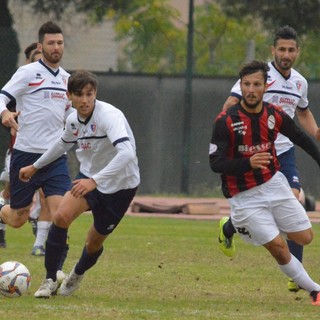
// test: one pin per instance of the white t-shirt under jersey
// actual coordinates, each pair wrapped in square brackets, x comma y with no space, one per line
[287,93]
[40,94]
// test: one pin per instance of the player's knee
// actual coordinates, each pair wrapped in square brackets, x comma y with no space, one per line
[303,238]
[281,254]
[307,237]
[279,250]
[61,220]
[20,219]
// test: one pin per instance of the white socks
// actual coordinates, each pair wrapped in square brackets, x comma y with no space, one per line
[42,232]
[295,270]
[36,206]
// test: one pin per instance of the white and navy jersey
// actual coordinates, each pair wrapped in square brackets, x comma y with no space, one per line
[106,148]
[288,93]
[40,95]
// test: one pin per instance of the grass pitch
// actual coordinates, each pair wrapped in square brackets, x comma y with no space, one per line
[159,268]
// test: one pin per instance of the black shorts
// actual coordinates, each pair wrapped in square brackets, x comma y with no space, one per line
[289,168]
[54,179]
[108,209]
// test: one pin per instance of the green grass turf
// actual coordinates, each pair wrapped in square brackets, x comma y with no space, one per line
[160,268]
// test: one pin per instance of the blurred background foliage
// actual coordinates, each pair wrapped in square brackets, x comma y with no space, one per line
[227,33]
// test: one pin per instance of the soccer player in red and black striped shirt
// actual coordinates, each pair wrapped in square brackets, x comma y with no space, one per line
[288,89]
[242,149]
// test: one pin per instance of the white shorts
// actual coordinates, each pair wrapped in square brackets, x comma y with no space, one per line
[261,213]
[4,176]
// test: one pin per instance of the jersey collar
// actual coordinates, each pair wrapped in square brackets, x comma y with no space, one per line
[286,78]
[55,73]
[85,121]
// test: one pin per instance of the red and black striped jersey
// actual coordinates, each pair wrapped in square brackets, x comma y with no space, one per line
[237,135]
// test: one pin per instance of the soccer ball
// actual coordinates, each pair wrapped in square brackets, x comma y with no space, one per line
[15,279]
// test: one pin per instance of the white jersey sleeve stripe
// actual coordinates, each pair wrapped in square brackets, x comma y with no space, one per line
[120,140]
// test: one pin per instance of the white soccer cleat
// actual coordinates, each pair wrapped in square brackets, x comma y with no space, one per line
[47,289]
[60,276]
[70,283]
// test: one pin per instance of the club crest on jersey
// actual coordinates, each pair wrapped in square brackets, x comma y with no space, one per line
[93,127]
[271,122]
[298,84]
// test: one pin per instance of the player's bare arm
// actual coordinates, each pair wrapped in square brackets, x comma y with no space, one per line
[308,123]
[230,102]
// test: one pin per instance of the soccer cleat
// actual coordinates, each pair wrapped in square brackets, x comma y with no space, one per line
[34,225]
[70,284]
[47,289]
[315,298]
[38,251]
[292,286]
[226,245]
[3,201]
[3,243]
[60,276]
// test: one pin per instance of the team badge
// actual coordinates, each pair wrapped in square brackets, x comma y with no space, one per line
[93,127]
[271,122]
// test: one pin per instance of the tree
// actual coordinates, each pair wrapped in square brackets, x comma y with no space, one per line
[303,15]
[155,39]
[152,41]
[96,9]
[221,42]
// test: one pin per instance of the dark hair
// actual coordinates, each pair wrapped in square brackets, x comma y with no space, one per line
[79,79]
[48,28]
[287,33]
[29,49]
[34,53]
[253,67]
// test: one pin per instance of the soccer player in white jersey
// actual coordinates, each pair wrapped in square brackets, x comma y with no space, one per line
[107,182]
[288,89]
[40,225]
[42,105]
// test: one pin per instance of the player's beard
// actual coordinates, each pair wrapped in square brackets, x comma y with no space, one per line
[283,64]
[52,58]
[251,105]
